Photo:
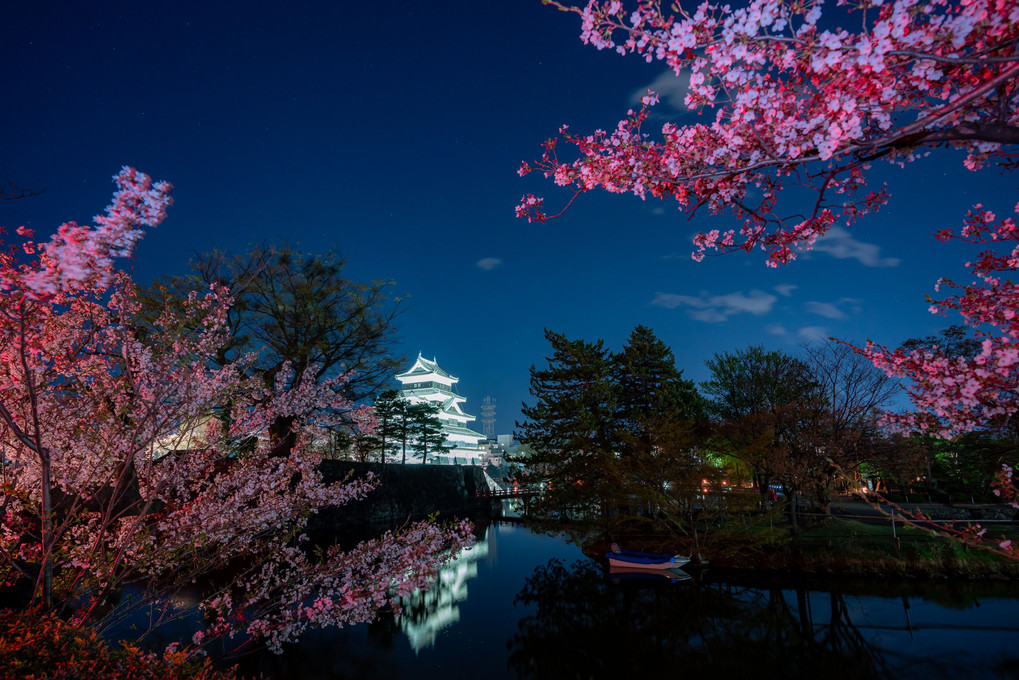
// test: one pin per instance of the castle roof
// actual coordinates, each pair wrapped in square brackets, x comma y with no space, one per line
[453,406]
[423,367]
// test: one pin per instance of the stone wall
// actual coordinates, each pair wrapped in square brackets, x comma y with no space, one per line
[406,492]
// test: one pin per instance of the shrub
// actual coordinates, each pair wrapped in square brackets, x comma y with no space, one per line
[40,646]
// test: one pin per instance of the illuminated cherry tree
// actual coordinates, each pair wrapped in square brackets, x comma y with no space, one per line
[119,467]
[798,104]
[794,101]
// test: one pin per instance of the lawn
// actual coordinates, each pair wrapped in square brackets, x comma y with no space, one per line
[866,546]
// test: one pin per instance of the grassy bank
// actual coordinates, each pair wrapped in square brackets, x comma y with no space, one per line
[850,547]
[824,545]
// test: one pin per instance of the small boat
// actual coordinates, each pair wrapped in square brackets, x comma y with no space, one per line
[631,559]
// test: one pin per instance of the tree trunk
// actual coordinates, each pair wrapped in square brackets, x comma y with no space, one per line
[282,437]
[45,466]
[46,574]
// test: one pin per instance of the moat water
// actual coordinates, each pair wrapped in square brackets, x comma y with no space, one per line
[529,605]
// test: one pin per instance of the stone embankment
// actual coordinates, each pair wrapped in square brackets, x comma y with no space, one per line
[406,492]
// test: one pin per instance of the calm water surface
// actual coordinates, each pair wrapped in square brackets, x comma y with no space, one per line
[527,605]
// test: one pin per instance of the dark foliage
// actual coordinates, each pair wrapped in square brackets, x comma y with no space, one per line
[40,646]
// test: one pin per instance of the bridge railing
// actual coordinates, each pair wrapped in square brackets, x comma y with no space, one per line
[514,492]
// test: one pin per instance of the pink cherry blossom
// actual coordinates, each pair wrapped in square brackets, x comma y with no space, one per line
[788,100]
[786,97]
[140,460]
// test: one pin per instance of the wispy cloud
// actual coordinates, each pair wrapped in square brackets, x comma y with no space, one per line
[840,244]
[489,263]
[813,333]
[825,309]
[671,89]
[834,310]
[785,289]
[776,329]
[715,308]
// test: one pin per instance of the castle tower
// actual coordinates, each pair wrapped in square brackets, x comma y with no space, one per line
[424,382]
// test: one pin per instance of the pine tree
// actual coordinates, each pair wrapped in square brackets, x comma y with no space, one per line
[389,408]
[570,429]
[656,421]
[650,387]
[425,430]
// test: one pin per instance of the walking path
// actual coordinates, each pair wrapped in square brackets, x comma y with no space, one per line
[938,511]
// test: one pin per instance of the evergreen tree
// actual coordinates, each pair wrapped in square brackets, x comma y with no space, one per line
[656,423]
[426,430]
[570,428]
[616,438]
[389,410]
[413,426]
[403,431]
[770,415]
[353,445]
[753,379]
[650,387]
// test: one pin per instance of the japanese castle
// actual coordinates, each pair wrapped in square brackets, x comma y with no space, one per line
[425,382]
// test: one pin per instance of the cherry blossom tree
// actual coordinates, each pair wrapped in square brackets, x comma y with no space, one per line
[794,101]
[116,471]
[796,104]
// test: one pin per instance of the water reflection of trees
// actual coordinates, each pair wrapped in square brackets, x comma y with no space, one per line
[584,625]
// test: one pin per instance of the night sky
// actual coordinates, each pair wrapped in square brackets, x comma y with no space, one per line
[393,132]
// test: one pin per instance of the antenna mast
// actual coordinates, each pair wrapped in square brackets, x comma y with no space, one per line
[488,418]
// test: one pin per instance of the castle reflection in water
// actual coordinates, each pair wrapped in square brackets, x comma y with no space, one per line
[427,612]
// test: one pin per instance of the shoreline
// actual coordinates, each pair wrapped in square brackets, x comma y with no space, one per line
[855,540]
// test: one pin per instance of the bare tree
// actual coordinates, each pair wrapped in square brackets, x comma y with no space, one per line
[9,191]
[854,394]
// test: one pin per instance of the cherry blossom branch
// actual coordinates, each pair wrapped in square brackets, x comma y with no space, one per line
[950,108]
[973,534]
[790,99]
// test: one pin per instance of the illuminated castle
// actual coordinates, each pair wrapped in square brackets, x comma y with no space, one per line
[425,382]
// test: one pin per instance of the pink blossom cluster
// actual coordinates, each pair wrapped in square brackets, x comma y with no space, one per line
[349,586]
[955,394]
[78,256]
[142,459]
[794,103]
[1004,486]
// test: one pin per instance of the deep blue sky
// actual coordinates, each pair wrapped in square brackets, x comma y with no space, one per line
[394,132]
